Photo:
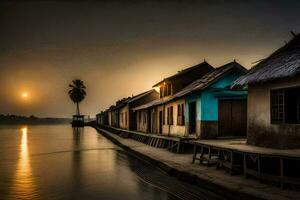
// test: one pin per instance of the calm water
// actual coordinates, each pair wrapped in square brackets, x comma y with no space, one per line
[53,162]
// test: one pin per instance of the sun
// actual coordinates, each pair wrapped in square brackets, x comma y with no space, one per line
[25,95]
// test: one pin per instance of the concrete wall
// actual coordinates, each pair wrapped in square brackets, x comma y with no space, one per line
[260,130]
[124,111]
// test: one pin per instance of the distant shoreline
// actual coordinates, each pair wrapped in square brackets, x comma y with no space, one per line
[32,120]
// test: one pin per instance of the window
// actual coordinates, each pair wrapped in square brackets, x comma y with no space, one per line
[165,90]
[171,115]
[285,106]
[169,90]
[180,114]
[292,105]
[277,106]
[168,115]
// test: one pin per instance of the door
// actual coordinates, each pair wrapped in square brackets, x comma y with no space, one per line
[192,118]
[132,120]
[160,122]
[232,118]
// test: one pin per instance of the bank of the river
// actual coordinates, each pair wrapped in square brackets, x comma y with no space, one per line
[180,166]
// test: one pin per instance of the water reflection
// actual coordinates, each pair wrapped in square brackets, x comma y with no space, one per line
[77,136]
[24,186]
[56,162]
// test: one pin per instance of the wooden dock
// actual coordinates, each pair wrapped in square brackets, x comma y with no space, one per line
[280,167]
[173,144]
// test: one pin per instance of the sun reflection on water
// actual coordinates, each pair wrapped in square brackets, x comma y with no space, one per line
[24,187]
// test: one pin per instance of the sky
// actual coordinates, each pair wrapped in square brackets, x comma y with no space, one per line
[122,48]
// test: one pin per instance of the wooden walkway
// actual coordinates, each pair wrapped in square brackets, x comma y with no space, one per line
[173,144]
[280,167]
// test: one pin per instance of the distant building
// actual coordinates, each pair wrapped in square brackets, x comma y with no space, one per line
[122,115]
[274,98]
[204,108]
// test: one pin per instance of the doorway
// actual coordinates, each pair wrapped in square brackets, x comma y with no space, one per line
[192,117]
[160,122]
[232,117]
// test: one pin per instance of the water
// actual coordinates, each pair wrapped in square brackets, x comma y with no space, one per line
[53,162]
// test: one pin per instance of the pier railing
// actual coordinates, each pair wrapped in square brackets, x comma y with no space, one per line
[278,167]
[173,144]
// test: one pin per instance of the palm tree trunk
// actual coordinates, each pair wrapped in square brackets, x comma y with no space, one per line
[78,112]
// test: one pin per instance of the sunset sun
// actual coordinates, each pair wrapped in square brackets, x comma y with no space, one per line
[25,95]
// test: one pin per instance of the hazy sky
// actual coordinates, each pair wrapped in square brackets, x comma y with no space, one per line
[120,49]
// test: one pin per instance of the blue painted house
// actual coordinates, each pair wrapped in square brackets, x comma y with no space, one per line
[212,109]
[206,108]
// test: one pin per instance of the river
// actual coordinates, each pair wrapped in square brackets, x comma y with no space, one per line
[54,162]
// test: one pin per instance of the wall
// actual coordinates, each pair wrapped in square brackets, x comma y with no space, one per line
[260,130]
[142,121]
[109,118]
[115,118]
[154,120]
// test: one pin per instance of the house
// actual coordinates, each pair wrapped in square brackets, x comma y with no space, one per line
[154,117]
[175,83]
[124,116]
[206,108]
[212,108]
[115,115]
[102,118]
[274,98]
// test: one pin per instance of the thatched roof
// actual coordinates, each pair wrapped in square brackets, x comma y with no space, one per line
[199,84]
[283,63]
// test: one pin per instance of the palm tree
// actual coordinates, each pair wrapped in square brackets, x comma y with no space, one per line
[77,93]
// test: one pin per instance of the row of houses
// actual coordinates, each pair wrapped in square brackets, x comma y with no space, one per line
[206,102]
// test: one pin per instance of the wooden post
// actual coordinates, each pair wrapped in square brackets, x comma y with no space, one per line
[201,155]
[281,173]
[178,146]
[231,162]
[245,166]
[258,166]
